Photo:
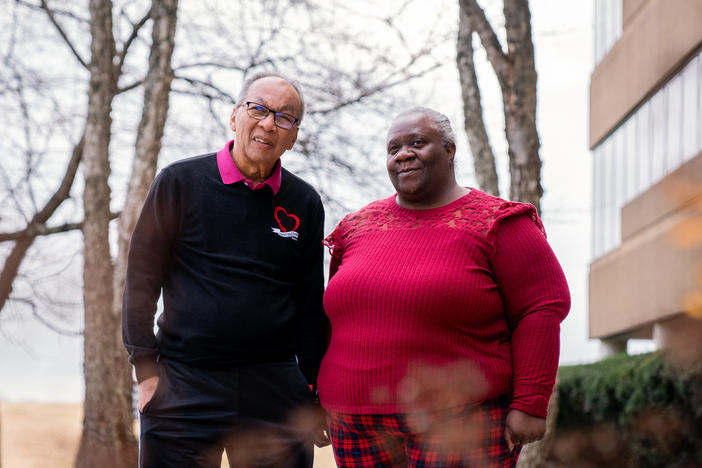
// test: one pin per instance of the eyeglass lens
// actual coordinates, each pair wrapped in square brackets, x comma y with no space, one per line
[259,112]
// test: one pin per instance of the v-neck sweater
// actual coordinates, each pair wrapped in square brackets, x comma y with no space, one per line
[241,272]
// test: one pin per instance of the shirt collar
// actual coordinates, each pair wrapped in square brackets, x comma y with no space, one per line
[230,173]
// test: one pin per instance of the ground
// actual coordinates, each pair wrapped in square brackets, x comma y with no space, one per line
[32,433]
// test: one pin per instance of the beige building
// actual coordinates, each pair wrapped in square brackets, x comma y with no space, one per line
[646,140]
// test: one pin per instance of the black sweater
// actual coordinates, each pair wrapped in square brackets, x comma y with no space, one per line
[234,290]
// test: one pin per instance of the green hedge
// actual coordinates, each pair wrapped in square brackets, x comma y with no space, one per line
[649,411]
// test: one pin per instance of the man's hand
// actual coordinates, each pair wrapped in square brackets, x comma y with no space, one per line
[321,429]
[146,390]
[522,428]
[322,437]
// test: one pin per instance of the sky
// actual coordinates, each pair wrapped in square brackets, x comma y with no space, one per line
[37,364]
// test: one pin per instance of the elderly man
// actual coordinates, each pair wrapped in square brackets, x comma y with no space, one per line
[234,242]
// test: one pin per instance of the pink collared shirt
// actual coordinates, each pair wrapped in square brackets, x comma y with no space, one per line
[230,173]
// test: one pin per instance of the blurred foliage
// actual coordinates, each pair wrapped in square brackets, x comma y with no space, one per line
[639,410]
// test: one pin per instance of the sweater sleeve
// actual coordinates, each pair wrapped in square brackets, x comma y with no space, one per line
[149,254]
[536,300]
[309,290]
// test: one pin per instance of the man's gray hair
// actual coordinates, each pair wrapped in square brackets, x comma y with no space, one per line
[250,80]
[441,123]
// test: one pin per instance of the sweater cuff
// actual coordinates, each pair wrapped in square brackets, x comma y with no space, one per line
[531,402]
[145,367]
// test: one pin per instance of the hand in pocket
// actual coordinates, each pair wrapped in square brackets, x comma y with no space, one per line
[146,390]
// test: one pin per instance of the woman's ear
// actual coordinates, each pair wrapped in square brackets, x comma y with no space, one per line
[451,149]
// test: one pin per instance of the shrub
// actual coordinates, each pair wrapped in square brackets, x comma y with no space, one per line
[637,411]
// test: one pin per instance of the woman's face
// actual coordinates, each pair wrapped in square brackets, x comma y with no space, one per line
[420,166]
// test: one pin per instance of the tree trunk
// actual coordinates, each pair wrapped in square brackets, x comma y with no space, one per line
[157,87]
[483,156]
[107,439]
[516,73]
[520,106]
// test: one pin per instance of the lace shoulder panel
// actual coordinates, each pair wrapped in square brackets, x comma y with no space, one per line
[363,220]
[508,209]
[477,212]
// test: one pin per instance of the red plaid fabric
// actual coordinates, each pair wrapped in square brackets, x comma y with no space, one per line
[466,436]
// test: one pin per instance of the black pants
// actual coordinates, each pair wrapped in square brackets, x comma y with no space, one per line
[255,412]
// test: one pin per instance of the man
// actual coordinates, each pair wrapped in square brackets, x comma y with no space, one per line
[234,241]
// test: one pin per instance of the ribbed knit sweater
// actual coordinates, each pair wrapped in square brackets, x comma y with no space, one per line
[472,282]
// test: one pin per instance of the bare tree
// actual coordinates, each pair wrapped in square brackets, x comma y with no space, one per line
[516,74]
[24,238]
[353,81]
[107,438]
[157,87]
[103,442]
[350,97]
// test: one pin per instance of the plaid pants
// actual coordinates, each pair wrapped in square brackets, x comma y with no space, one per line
[466,436]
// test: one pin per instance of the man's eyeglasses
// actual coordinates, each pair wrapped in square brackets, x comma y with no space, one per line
[260,112]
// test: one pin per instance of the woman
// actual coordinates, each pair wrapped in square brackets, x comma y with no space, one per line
[445,306]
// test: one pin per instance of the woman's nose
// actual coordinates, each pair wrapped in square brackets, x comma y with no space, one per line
[404,153]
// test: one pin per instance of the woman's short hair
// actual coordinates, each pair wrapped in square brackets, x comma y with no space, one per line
[441,123]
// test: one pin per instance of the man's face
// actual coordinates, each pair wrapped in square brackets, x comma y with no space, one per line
[259,143]
[418,163]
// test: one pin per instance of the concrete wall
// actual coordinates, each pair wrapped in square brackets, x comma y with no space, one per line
[657,36]
[656,272]
[630,8]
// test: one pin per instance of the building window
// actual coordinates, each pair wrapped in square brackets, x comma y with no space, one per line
[673,152]
[597,198]
[631,151]
[663,133]
[608,26]
[643,136]
[659,119]
[692,108]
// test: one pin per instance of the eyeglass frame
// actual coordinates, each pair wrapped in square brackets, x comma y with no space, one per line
[295,123]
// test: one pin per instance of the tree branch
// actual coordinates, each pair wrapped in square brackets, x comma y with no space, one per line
[222,66]
[43,321]
[19,250]
[60,30]
[39,230]
[205,84]
[56,11]
[132,37]
[129,87]
[384,84]
[495,53]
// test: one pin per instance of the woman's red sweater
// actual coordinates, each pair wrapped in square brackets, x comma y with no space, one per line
[441,307]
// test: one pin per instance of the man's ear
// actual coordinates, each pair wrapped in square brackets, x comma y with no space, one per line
[294,138]
[232,119]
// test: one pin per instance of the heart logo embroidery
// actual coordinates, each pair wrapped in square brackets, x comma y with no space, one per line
[285,219]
